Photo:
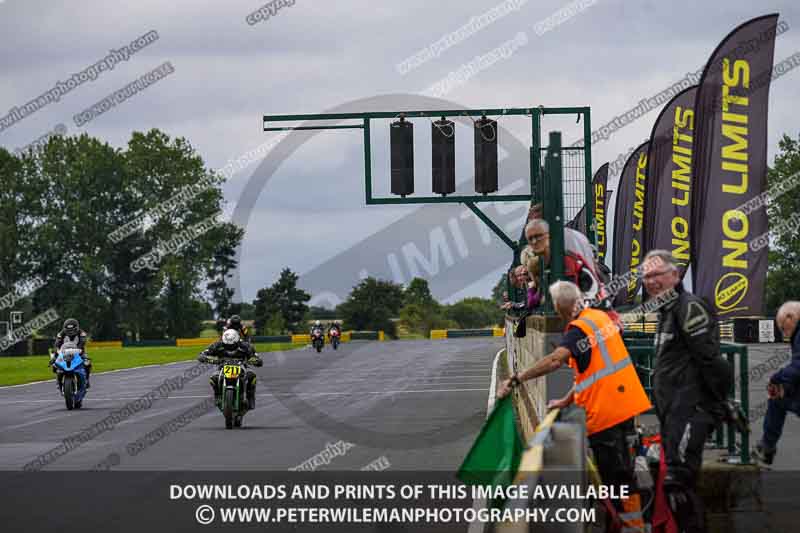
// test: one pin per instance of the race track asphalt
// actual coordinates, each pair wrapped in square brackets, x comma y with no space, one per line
[409,406]
[414,405]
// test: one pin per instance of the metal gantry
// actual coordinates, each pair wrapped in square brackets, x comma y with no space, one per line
[536,114]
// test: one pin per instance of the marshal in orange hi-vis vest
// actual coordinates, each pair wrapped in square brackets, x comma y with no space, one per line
[609,389]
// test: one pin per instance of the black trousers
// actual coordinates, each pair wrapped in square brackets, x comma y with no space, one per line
[612,456]
[684,431]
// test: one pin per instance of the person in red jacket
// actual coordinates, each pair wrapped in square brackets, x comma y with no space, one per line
[579,265]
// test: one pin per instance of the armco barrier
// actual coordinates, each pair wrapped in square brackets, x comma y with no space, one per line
[18,349]
[346,336]
[457,333]
[150,342]
[103,344]
[264,339]
[41,346]
[193,342]
[366,335]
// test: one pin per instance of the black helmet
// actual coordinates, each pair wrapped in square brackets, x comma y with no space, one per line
[71,326]
[235,321]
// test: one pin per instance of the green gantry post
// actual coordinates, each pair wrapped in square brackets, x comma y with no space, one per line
[554,206]
[587,170]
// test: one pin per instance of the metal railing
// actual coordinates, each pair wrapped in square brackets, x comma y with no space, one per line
[641,349]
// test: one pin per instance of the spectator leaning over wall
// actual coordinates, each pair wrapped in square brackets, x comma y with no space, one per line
[606,387]
[783,388]
[579,264]
[521,278]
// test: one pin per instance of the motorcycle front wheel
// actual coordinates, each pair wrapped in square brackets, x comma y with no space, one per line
[228,410]
[69,392]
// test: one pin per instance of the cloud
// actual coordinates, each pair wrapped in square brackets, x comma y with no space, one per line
[311,57]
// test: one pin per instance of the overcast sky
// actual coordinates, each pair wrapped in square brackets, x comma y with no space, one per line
[311,57]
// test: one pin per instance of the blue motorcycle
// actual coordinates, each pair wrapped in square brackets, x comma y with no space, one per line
[71,376]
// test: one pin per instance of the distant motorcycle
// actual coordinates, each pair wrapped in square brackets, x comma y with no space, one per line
[71,376]
[334,335]
[317,339]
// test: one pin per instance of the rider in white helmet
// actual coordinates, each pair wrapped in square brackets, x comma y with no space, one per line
[233,347]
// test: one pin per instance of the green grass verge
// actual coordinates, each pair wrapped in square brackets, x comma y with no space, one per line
[210,333]
[17,370]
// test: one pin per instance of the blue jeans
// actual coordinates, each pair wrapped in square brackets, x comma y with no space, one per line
[776,416]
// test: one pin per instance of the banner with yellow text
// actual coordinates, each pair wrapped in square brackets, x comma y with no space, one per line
[600,199]
[729,168]
[669,179]
[629,222]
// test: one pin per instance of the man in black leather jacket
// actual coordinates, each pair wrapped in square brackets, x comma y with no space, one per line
[232,347]
[690,384]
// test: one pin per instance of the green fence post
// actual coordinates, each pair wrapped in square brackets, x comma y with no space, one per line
[744,392]
[731,429]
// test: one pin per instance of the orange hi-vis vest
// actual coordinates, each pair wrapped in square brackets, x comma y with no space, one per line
[609,389]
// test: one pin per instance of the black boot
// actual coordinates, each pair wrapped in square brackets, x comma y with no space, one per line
[764,454]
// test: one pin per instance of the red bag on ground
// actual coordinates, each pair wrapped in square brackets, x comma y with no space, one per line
[663,521]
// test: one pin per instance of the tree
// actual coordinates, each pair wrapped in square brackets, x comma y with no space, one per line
[284,298]
[82,196]
[274,325]
[371,305]
[244,309]
[79,190]
[783,283]
[422,319]
[320,313]
[500,288]
[472,313]
[20,212]
[222,263]
[164,167]
[418,293]
[421,312]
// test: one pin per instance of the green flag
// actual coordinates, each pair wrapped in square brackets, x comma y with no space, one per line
[496,453]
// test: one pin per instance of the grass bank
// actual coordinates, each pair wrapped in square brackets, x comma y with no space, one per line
[17,370]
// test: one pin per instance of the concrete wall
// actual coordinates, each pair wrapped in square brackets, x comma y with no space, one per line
[542,335]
